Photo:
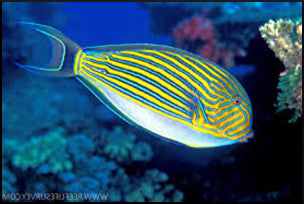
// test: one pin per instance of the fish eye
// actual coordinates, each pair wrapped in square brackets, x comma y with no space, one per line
[236,101]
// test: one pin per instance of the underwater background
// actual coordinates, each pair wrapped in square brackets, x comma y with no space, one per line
[59,140]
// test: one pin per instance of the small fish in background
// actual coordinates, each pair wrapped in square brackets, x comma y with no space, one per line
[166,91]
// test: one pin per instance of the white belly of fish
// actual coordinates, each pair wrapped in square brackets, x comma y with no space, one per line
[162,125]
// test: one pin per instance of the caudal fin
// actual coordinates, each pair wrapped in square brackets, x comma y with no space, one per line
[63,52]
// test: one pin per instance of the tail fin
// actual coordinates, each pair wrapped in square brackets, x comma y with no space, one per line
[63,52]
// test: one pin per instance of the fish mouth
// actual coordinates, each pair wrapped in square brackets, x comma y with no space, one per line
[244,139]
[247,137]
[251,134]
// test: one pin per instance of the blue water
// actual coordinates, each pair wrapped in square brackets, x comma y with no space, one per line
[110,23]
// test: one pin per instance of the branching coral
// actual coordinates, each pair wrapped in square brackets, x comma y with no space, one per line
[235,23]
[91,174]
[284,37]
[108,176]
[46,154]
[80,146]
[122,146]
[141,152]
[152,187]
[8,181]
[119,144]
[199,35]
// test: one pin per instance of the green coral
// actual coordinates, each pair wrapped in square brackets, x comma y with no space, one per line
[46,154]
[102,175]
[141,152]
[284,37]
[9,148]
[119,144]
[290,95]
[153,187]
[122,146]
[150,186]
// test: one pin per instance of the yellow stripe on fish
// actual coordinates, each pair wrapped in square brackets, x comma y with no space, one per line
[166,91]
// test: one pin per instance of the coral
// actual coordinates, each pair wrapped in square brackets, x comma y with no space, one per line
[41,183]
[152,187]
[9,148]
[82,179]
[91,166]
[141,152]
[106,176]
[234,24]
[74,165]
[83,185]
[284,37]
[198,28]
[198,35]
[45,154]
[80,146]
[118,144]
[290,93]
[8,181]
[121,146]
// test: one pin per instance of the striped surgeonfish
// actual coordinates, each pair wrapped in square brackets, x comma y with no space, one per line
[166,91]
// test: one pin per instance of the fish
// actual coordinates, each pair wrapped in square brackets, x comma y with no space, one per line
[169,92]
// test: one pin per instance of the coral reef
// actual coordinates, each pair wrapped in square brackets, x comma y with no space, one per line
[46,154]
[106,175]
[122,147]
[152,187]
[198,28]
[290,93]
[78,164]
[234,24]
[284,37]
[8,181]
[198,35]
